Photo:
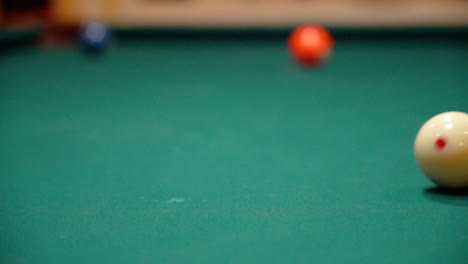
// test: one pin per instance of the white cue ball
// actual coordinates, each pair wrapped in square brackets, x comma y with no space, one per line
[441,149]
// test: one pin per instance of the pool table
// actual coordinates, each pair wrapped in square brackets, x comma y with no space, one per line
[213,146]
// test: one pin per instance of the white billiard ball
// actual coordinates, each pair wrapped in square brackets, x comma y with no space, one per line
[441,149]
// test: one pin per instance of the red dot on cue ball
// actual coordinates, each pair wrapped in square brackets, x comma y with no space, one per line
[440,143]
[310,44]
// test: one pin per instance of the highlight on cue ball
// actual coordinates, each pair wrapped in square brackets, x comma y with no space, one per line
[441,149]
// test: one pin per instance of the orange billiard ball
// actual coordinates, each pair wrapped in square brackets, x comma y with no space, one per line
[310,44]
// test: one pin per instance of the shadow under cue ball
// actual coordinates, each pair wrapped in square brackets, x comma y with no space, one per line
[441,149]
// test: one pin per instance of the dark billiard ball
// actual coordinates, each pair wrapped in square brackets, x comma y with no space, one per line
[310,44]
[94,35]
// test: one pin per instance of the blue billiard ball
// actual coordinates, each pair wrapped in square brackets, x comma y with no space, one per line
[94,35]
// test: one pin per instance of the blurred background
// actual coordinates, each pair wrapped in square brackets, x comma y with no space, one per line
[54,22]
[21,14]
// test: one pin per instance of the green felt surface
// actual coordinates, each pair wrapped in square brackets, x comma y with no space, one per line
[221,150]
